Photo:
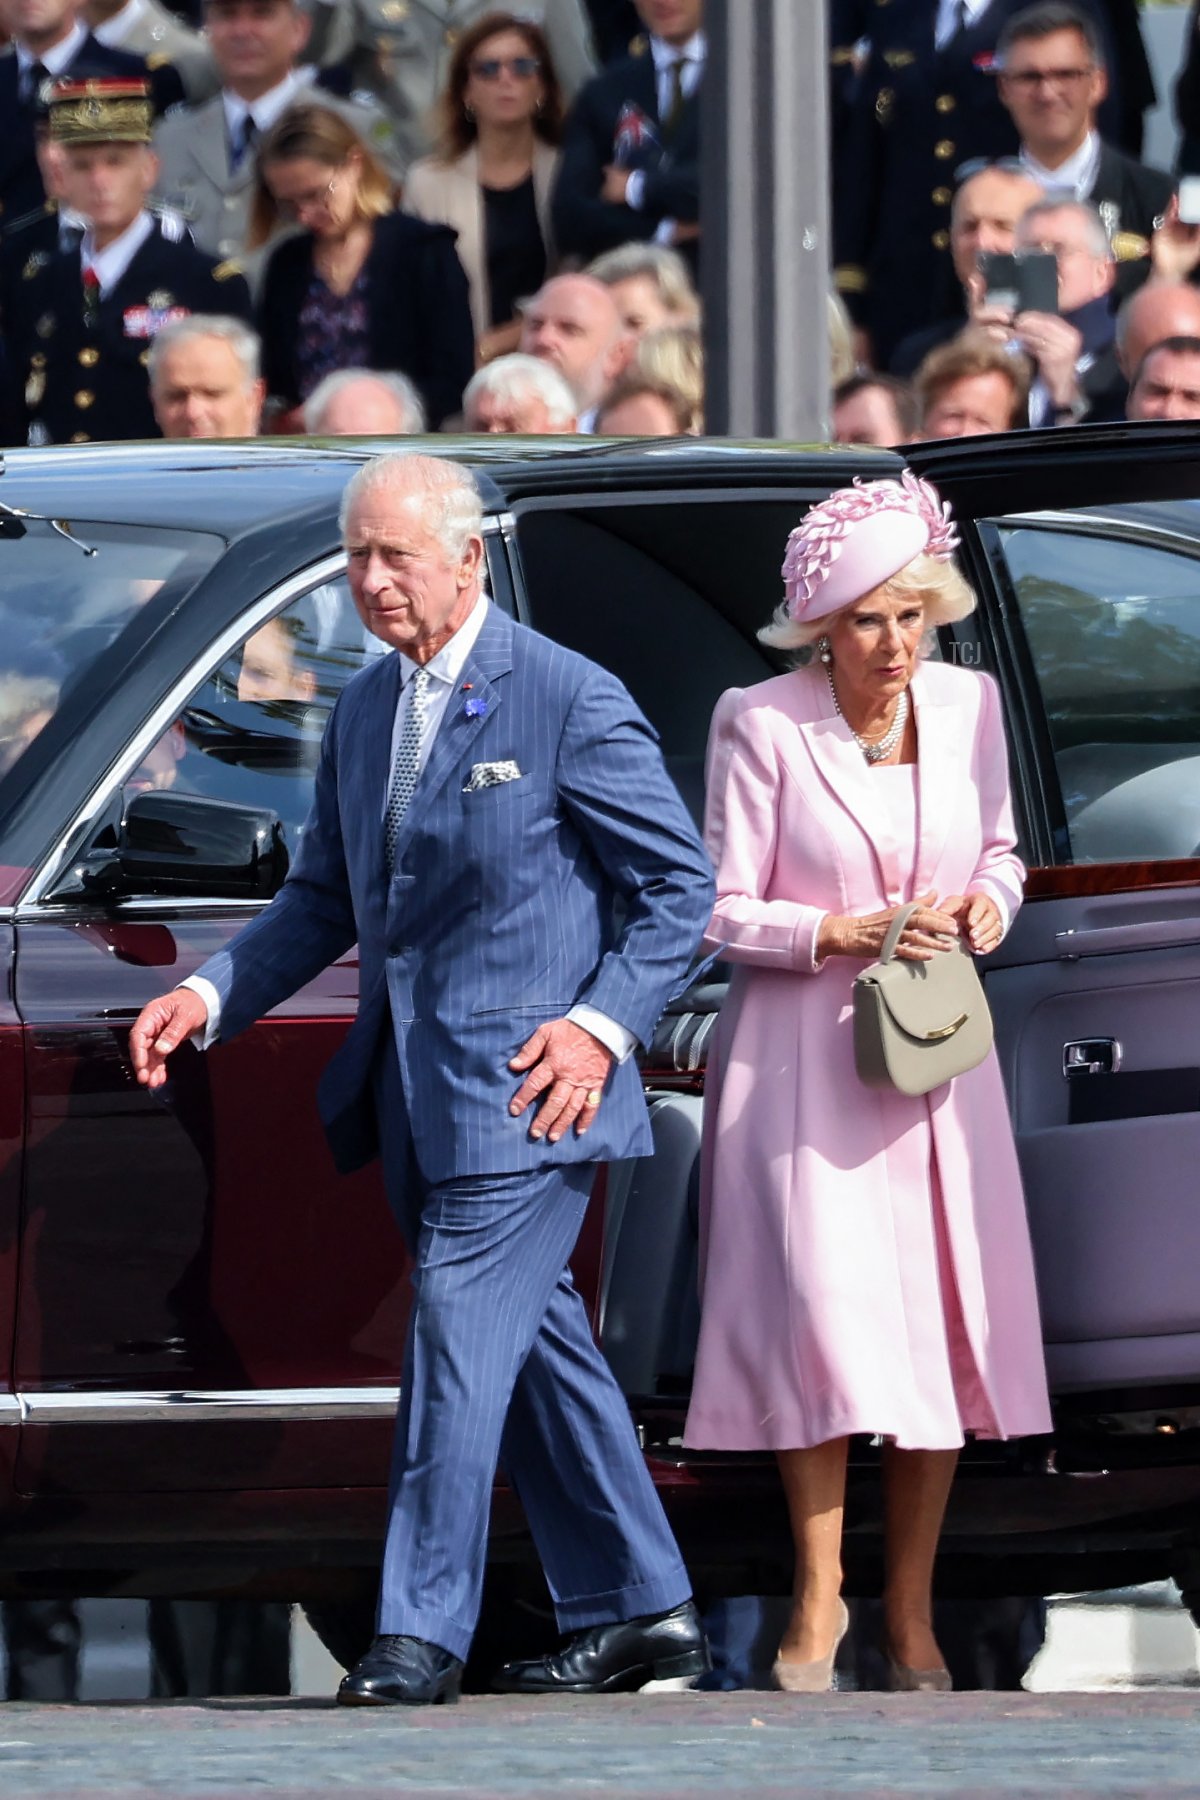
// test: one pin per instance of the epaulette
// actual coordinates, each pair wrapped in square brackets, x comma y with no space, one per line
[47,210]
[639,45]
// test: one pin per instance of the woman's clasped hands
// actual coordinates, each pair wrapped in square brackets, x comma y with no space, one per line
[937,926]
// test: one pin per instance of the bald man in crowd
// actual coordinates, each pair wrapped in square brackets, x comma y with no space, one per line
[573,324]
[1158,311]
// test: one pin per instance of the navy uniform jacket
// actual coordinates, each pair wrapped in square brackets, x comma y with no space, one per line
[20,180]
[85,379]
[615,120]
[418,312]
[918,114]
[1130,197]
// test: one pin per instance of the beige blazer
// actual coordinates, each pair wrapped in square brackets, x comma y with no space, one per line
[449,194]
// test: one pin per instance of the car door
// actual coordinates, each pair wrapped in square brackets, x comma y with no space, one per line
[1084,548]
[204,1303]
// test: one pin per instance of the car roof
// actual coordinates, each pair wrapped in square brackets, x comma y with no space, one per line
[156,483]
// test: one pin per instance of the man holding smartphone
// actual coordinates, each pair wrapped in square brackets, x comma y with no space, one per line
[1052,299]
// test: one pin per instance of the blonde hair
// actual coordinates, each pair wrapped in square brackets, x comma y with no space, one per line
[328,138]
[673,357]
[942,591]
[842,362]
[661,266]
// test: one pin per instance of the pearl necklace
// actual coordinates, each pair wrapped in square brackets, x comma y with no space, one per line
[882,747]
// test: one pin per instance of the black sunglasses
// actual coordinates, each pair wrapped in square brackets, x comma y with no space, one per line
[492,67]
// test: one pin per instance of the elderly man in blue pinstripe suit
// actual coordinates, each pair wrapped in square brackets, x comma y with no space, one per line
[484,799]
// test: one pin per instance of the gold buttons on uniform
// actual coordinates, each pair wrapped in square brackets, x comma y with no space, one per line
[85,398]
[37,360]
[89,358]
[945,103]
[941,196]
[941,240]
[943,149]
[144,359]
[80,437]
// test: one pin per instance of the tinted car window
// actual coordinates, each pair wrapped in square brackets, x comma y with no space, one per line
[1113,626]
[64,601]
[252,732]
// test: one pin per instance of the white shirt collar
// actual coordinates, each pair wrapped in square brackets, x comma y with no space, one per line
[267,108]
[947,12]
[111,262]
[113,32]
[1077,175]
[450,660]
[59,56]
[666,55]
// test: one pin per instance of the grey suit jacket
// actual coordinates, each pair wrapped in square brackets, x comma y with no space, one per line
[155,32]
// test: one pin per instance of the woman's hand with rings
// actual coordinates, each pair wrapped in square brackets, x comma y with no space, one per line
[978,919]
[930,930]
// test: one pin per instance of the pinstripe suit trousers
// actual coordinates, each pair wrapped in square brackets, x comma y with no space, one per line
[500,1366]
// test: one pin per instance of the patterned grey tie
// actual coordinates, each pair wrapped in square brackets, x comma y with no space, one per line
[407,763]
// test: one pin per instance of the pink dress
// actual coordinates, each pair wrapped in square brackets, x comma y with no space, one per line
[865,1257]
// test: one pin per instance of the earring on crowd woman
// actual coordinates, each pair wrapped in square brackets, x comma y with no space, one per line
[824,651]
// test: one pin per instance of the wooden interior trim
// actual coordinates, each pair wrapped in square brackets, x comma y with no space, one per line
[1069,881]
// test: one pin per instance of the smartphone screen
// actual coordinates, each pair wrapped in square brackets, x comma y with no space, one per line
[1037,281]
[1189,200]
[1000,281]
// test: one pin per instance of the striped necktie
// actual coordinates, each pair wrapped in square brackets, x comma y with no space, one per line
[406,767]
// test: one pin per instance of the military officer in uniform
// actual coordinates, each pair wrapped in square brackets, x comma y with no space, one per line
[146,28]
[206,154]
[926,102]
[400,50]
[51,43]
[89,313]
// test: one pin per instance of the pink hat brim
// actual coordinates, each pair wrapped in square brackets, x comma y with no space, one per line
[874,550]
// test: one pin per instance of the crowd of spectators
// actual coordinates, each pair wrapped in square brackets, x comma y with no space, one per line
[455,216]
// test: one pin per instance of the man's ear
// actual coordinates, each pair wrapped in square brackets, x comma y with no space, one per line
[302,31]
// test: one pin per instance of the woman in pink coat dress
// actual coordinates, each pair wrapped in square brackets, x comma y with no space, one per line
[865,1256]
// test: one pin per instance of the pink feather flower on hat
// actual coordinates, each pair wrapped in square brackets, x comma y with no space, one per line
[815,545]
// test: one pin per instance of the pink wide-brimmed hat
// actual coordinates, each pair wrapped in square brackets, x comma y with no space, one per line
[862,536]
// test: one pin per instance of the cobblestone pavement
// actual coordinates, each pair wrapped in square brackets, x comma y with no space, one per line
[874,1747]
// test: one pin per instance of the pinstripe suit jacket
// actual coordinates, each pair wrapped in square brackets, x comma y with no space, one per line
[500,914]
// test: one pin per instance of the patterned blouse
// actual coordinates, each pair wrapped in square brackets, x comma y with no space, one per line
[332,332]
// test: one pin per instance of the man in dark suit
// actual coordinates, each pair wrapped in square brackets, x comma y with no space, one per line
[924,104]
[614,27]
[50,43]
[83,316]
[1054,82]
[485,799]
[631,153]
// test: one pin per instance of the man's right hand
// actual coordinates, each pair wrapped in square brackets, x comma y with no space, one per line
[160,1028]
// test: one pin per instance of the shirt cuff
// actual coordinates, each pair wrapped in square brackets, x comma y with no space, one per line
[615,1037]
[635,190]
[206,1038]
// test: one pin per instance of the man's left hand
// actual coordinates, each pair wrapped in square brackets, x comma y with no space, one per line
[1055,347]
[568,1068]
[616,181]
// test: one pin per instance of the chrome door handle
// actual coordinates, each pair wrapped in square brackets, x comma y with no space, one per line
[1091,1056]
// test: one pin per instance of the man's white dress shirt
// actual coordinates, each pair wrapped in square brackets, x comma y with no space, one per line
[444,669]
[948,15]
[111,262]
[267,108]
[54,60]
[1076,176]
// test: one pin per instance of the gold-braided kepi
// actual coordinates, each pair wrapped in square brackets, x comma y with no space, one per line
[100,112]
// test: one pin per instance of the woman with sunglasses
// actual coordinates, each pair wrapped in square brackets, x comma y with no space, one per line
[501,118]
[360,285]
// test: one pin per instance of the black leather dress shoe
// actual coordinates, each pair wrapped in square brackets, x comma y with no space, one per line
[616,1659]
[402,1671]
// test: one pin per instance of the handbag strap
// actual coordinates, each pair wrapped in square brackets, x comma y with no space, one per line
[896,929]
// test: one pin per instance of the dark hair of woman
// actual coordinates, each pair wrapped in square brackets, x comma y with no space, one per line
[456,127]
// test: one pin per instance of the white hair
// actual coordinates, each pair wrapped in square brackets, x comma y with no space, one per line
[517,378]
[1098,244]
[245,343]
[409,407]
[942,591]
[444,493]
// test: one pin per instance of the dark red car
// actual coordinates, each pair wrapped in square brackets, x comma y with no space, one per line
[200,1324]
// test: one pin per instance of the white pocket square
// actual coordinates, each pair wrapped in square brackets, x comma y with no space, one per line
[486,775]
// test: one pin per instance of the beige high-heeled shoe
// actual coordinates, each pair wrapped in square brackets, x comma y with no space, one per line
[903,1680]
[811,1677]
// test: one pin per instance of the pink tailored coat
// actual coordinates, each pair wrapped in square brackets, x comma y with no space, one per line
[865,1257]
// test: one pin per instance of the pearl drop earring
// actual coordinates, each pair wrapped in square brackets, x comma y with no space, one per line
[824,652]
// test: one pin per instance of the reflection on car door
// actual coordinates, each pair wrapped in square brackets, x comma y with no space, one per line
[1081,544]
[191,1254]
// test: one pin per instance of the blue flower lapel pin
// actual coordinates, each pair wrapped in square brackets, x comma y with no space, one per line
[474,706]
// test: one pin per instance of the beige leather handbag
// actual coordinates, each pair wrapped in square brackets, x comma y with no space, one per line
[918,1024]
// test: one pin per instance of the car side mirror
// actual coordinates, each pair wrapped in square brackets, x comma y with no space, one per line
[174,844]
